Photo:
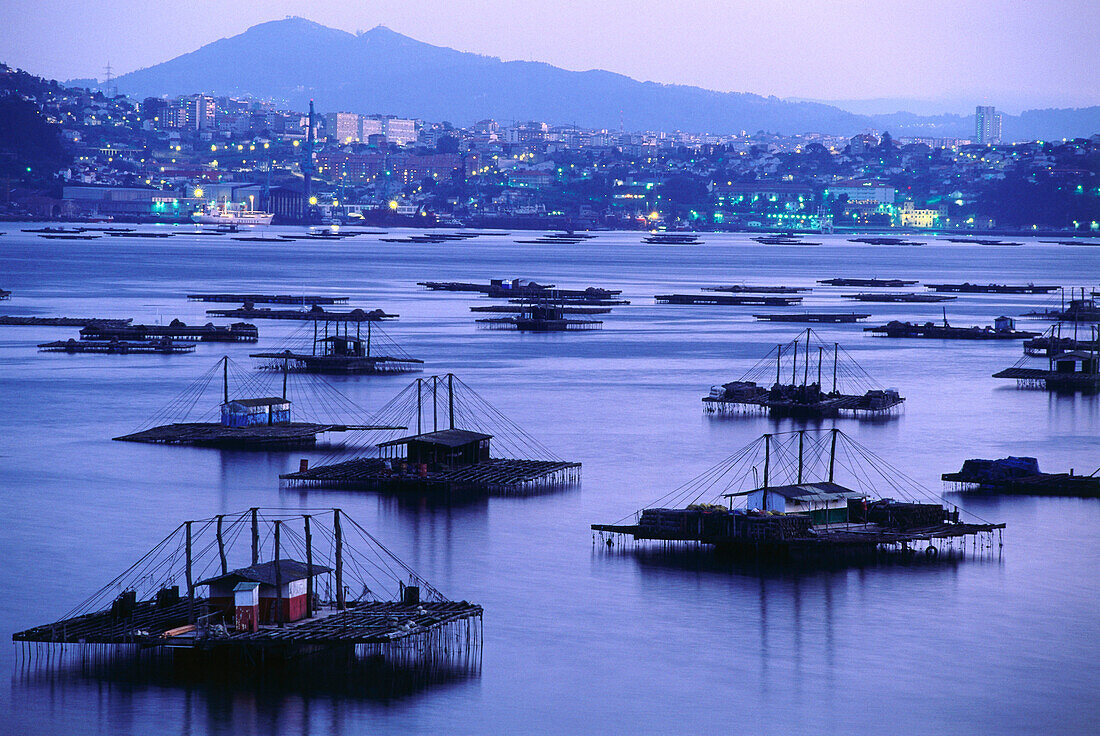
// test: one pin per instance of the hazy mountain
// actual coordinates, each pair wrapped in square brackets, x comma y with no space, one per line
[381,71]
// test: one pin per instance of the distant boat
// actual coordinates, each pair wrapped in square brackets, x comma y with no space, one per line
[231,215]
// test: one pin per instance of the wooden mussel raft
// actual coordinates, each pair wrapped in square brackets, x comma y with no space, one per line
[809,495]
[1003,328]
[754,300]
[782,240]
[527,289]
[449,454]
[750,289]
[304,299]
[366,351]
[852,390]
[313,314]
[1069,370]
[177,330]
[9,320]
[256,591]
[814,317]
[114,346]
[901,296]
[969,288]
[1020,476]
[564,238]
[657,238]
[872,240]
[542,315]
[253,422]
[874,283]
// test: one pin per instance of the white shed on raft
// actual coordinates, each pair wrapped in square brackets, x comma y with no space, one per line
[824,502]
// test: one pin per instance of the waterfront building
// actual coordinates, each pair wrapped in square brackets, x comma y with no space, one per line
[911,216]
[862,191]
[126,201]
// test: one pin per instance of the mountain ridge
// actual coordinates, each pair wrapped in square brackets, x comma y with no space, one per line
[382,71]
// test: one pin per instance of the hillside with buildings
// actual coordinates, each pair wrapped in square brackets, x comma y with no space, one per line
[77,153]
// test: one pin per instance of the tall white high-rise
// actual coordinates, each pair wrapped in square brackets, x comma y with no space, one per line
[987,125]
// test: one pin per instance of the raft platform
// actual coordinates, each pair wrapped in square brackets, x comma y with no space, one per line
[898,297]
[63,321]
[522,288]
[315,314]
[289,436]
[968,288]
[237,332]
[251,421]
[797,388]
[815,503]
[162,346]
[497,476]
[876,283]
[982,241]
[884,241]
[748,289]
[1020,476]
[305,300]
[934,331]
[349,603]
[810,317]
[728,300]
[793,400]
[784,538]
[519,309]
[1051,380]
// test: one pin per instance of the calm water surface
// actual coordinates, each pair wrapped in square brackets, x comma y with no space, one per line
[576,639]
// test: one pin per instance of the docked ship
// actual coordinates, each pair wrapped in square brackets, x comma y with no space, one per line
[231,215]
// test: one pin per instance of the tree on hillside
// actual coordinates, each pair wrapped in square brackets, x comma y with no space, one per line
[30,148]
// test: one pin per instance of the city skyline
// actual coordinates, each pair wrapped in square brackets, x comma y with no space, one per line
[1017,63]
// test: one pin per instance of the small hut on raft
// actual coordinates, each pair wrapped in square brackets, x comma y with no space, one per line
[467,446]
[804,495]
[811,379]
[257,591]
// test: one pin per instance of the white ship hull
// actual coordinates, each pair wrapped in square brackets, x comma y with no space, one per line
[233,219]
